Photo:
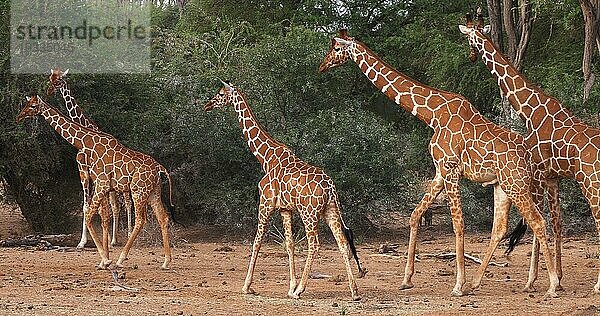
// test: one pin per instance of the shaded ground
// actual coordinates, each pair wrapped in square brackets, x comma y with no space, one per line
[205,281]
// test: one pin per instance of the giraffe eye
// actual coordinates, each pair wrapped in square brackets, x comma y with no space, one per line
[337,48]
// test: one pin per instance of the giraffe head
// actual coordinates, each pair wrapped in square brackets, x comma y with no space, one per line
[33,107]
[339,52]
[57,80]
[474,31]
[222,98]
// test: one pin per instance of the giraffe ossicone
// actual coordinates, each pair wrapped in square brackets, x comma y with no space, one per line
[289,185]
[464,144]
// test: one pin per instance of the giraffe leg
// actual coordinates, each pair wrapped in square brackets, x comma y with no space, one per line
[533,266]
[539,187]
[537,223]
[501,209]
[453,192]
[312,237]
[127,202]
[334,220]
[84,177]
[286,219]
[435,187]
[105,218]
[163,220]
[114,205]
[140,220]
[556,220]
[592,194]
[264,213]
[94,205]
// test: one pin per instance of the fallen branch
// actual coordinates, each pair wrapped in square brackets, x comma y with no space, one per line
[452,255]
[120,286]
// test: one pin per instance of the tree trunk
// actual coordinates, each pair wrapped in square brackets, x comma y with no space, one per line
[591,18]
[495,26]
[516,22]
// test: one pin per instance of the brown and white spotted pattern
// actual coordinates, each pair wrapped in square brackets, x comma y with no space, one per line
[58,82]
[289,184]
[465,144]
[112,167]
[561,144]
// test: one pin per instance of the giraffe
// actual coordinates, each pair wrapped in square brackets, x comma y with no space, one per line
[58,82]
[464,144]
[289,184]
[112,166]
[561,144]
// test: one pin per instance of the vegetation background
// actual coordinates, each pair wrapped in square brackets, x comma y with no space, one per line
[375,152]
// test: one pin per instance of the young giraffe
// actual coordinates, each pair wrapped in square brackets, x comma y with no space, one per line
[112,166]
[289,184]
[58,82]
[465,144]
[561,144]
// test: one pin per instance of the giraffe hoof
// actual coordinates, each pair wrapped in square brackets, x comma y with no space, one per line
[104,264]
[356,298]
[467,289]
[456,293]
[529,289]
[406,286]
[248,291]
[549,295]
[80,245]
[560,287]
[293,295]
[164,267]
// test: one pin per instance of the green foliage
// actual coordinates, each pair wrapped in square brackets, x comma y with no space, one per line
[376,152]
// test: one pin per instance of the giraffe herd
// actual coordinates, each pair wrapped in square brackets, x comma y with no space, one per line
[465,144]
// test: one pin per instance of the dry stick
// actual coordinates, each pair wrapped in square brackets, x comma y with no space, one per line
[447,255]
[115,276]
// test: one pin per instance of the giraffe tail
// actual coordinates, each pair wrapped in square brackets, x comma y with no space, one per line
[515,236]
[350,237]
[166,173]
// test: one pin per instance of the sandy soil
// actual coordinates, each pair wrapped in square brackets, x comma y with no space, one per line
[204,279]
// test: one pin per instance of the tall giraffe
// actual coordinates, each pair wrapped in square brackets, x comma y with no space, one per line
[464,143]
[58,82]
[289,184]
[112,166]
[561,144]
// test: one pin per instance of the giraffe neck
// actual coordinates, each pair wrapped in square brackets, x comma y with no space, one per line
[411,95]
[70,131]
[261,144]
[524,96]
[75,112]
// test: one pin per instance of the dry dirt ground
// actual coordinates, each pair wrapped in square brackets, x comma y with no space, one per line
[206,279]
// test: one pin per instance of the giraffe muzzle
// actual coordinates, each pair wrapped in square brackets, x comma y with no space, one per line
[20,117]
[323,67]
[209,106]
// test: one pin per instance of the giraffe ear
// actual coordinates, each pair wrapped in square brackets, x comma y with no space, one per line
[65,73]
[28,98]
[228,86]
[464,29]
[342,41]
[486,29]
